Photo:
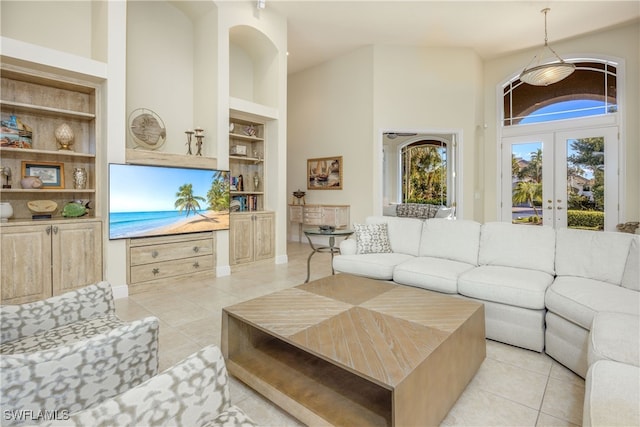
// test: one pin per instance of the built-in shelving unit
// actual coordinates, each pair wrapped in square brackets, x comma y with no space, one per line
[48,256]
[40,103]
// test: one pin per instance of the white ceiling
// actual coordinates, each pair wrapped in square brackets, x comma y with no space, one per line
[321,30]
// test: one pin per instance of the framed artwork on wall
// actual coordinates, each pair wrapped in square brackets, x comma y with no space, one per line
[51,173]
[324,173]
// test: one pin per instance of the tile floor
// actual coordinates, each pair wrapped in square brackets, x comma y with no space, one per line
[514,387]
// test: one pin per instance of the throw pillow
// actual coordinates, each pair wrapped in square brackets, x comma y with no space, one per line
[372,238]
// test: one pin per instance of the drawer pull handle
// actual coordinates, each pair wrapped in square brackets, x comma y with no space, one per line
[154,254]
[196,249]
[155,271]
[196,265]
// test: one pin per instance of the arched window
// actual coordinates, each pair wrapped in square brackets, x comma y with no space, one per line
[590,90]
[424,172]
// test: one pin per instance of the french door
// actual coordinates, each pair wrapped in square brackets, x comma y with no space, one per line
[566,178]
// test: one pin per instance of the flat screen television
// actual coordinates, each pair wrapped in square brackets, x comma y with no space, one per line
[147,201]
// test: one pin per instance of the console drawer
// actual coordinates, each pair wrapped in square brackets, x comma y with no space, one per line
[166,269]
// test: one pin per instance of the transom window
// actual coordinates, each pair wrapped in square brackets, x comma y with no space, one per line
[590,90]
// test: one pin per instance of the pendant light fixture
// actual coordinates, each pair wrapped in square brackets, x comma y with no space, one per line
[537,74]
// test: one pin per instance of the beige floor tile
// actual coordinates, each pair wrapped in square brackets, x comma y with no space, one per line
[477,407]
[526,359]
[511,382]
[545,420]
[564,400]
[513,387]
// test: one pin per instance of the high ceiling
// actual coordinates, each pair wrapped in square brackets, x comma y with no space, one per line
[321,30]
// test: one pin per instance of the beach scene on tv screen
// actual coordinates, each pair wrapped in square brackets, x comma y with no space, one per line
[154,201]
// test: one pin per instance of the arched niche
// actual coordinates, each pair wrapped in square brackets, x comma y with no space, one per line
[253,66]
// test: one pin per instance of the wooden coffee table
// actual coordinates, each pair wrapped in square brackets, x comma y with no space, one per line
[345,350]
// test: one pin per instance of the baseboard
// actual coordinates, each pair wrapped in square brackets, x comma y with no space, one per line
[224,270]
[282,259]
[121,291]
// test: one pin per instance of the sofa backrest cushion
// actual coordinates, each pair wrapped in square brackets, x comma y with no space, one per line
[521,246]
[456,240]
[631,276]
[404,233]
[598,255]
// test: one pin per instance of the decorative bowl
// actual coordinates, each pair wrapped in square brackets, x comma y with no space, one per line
[327,228]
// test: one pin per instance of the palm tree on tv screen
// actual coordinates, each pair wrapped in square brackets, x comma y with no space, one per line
[186,200]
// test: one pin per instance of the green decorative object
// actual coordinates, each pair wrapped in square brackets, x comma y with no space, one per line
[74,209]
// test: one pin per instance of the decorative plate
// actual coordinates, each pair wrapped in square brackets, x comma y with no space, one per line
[42,206]
[147,129]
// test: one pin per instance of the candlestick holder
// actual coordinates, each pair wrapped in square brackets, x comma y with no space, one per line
[199,137]
[189,135]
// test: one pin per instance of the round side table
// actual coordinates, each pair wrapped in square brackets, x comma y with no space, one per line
[331,248]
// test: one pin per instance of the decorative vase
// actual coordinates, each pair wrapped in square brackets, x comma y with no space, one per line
[256,182]
[6,211]
[31,182]
[79,178]
[64,136]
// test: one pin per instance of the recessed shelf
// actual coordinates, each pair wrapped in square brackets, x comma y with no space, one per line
[58,112]
[29,151]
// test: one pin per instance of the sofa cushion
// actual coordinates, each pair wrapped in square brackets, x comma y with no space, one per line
[506,285]
[615,336]
[593,255]
[404,233]
[63,335]
[578,299]
[374,266]
[436,274]
[457,240]
[631,276]
[612,393]
[512,245]
[417,210]
[372,238]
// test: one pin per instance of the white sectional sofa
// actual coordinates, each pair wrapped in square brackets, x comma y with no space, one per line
[541,289]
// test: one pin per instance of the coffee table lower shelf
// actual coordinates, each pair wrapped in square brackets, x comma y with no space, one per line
[308,387]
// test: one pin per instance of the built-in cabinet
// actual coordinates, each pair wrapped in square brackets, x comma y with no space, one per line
[40,260]
[252,229]
[312,215]
[39,104]
[252,237]
[49,255]
[246,164]
[156,261]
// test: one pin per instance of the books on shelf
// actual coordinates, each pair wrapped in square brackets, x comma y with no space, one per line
[245,203]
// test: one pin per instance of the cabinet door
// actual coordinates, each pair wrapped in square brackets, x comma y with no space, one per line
[77,255]
[264,225]
[241,239]
[26,264]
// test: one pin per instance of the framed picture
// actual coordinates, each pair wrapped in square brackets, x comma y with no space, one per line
[51,173]
[324,173]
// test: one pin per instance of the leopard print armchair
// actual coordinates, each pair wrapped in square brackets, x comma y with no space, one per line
[194,393]
[70,352]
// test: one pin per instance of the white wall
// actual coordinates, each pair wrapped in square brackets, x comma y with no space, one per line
[331,114]
[62,25]
[624,43]
[341,107]
[434,89]
[160,57]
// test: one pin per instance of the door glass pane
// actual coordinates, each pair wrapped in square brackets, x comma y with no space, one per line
[526,183]
[585,183]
